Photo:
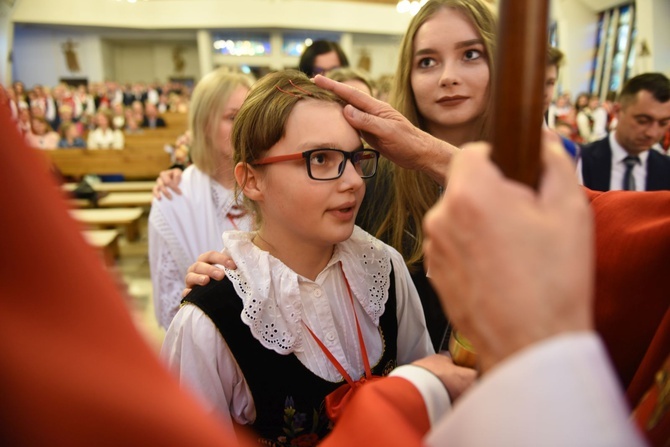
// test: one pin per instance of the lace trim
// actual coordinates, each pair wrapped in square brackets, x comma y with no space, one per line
[271,302]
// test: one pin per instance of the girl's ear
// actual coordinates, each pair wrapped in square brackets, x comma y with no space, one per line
[249,180]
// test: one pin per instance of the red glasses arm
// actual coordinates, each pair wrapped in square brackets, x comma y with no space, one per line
[277,159]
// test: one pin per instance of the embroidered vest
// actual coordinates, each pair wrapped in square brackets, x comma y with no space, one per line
[289,398]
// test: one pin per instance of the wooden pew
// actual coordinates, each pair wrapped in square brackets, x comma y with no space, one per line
[138,186]
[107,241]
[126,199]
[132,164]
[111,217]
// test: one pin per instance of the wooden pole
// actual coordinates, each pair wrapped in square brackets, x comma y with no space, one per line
[521,62]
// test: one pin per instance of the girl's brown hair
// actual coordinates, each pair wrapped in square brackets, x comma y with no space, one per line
[261,121]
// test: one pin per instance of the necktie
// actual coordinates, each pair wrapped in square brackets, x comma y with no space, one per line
[628,178]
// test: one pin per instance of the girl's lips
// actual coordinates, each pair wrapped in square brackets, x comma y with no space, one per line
[452,100]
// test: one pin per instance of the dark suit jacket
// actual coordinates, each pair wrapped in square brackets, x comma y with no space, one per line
[160,122]
[597,167]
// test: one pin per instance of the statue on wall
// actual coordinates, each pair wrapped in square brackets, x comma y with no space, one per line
[71,59]
[365,61]
[178,59]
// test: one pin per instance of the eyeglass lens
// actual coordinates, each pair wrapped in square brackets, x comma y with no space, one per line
[329,164]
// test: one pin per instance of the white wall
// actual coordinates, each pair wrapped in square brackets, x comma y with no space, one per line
[577,28]
[383,51]
[6,41]
[653,18]
[149,62]
[39,58]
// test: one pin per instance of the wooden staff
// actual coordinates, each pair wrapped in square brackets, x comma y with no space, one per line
[521,63]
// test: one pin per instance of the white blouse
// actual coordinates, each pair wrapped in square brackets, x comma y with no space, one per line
[198,354]
[107,139]
[181,229]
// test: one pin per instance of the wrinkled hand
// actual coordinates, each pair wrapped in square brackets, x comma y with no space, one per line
[456,379]
[166,181]
[205,267]
[388,131]
[512,266]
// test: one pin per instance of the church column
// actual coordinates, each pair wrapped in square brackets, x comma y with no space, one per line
[6,42]
[205,52]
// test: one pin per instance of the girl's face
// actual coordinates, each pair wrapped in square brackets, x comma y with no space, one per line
[225,126]
[103,122]
[326,61]
[450,72]
[39,128]
[297,209]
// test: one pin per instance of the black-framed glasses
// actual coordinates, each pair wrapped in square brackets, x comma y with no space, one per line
[329,164]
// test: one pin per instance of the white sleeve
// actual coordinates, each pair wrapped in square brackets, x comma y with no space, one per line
[584,126]
[119,140]
[198,355]
[578,171]
[413,339]
[558,392]
[166,278]
[434,393]
[92,141]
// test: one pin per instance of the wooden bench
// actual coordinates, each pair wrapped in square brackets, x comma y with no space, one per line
[111,217]
[107,241]
[126,199]
[131,164]
[137,186]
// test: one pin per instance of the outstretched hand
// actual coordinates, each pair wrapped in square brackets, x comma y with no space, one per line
[388,131]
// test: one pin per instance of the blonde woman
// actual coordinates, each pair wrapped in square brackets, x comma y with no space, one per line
[192,222]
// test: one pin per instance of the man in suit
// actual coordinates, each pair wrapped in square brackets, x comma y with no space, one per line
[151,118]
[624,159]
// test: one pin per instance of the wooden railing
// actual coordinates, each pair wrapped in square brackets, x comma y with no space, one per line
[130,163]
[143,156]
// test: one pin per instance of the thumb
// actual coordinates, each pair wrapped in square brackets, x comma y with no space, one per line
[357,118]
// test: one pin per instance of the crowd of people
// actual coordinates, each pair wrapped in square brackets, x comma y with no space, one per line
[312,267]
[94,117]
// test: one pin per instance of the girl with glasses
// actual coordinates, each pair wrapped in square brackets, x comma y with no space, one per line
[316,303]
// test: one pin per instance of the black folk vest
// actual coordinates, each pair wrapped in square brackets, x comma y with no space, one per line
[288,397]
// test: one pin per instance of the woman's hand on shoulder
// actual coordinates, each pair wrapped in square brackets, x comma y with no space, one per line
[166,181]
[207,266]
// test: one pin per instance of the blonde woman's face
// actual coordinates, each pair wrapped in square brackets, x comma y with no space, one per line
[450,72]
[225,128]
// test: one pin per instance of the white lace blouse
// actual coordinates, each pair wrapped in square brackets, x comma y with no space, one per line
[183,228]
[198,354]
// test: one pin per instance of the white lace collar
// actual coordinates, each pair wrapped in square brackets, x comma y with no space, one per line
[270,290]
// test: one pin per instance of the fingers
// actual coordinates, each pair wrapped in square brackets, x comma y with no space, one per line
[196,279]
[213,257]
[352,95]
[456,379]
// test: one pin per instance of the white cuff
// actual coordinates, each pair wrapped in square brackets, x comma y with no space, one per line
[433,391]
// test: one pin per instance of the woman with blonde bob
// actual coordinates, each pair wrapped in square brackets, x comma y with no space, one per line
[191,223]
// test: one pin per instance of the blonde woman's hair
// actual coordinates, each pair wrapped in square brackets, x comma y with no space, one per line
[344,74]
[208,103]
[414,192]
[261,122]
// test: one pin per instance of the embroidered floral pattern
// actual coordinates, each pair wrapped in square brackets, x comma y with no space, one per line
[298,431]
